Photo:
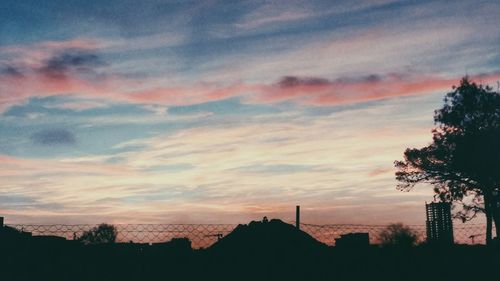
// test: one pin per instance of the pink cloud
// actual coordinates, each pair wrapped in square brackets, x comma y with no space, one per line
[310,91]
[32,81]
[14,90]
[335,92]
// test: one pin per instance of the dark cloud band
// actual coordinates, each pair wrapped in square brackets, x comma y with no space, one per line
[53,137]
[70,60]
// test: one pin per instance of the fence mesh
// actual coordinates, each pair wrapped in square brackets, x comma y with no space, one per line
[204,235]
[201,235]
[463,234]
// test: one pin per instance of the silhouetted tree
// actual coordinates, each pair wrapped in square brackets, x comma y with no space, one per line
[102,234]
[398,235]
[462,161]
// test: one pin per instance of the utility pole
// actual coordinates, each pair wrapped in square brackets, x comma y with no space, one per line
[297,216]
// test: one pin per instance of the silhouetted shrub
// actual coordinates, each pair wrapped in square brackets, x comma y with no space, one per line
[102,234]
[398,235]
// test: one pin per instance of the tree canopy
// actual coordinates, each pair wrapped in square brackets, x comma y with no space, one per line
[462,161]
[102,234]
[398,235]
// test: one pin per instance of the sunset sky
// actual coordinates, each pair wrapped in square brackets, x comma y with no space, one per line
[226,111]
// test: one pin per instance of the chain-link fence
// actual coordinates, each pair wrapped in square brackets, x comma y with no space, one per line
[326,233]
[204,235]
[200,235]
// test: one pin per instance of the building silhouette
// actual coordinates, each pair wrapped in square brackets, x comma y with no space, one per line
[439,223]
[353,240]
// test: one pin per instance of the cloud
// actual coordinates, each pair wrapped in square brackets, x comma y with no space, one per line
[50,69]
[264,164]
[10,70]
[75,72]
[66,69]
[411,37]
[272,14]
[228,168]
[372,62]
[51,137]
[275,169]
[320,91]
[293,81]
[22,202]
[78,105]
[72,60]
[49,46]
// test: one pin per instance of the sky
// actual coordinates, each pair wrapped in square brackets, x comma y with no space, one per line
[227,111]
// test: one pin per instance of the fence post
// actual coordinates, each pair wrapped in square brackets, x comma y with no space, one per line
[297,216]
[1,222]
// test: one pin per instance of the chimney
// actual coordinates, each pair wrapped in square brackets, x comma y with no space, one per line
[297,216]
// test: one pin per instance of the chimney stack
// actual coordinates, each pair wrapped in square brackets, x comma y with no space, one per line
[297,216]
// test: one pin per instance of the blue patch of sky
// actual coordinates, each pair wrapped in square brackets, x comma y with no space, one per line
[494,63]
[99,137]
[232,106]
[328,110]
[102,138]
[16,133]
[61,19]
[55,106]
[132,19]
[9,200]
[21,202]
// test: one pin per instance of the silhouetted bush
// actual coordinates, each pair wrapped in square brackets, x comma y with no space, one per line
[398,235]
[102,234]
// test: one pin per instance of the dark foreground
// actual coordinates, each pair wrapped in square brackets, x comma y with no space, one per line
[272,251]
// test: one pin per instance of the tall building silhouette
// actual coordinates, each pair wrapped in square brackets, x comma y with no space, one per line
[439,223]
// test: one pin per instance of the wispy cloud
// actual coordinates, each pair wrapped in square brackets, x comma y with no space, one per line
[257,166]
[76,72]
[230,111]
[420,47]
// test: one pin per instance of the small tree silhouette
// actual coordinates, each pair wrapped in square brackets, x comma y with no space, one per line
[102,234]
[398,235]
